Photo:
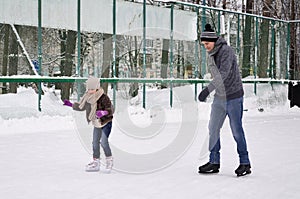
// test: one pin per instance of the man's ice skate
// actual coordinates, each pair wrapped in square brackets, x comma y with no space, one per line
[209,168]
[93,166]
[243,169]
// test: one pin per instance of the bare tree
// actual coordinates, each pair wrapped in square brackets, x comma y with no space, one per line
[13,60]
[247,40]
[107,58]
[5,54]
[68,44]
[264,40]
[294,57]
[165,60]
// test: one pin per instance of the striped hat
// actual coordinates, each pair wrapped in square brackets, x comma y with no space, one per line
[208,34]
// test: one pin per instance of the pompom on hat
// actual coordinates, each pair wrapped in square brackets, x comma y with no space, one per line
[208,34]
[93,83]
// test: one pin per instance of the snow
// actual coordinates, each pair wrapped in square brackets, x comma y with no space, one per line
[157,150]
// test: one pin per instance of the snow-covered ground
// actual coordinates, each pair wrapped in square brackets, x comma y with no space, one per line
[157,150]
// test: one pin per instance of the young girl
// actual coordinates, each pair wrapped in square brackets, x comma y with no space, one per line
[99,111]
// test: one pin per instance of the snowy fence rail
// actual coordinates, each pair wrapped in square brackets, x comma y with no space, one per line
[127,80]
[169,81]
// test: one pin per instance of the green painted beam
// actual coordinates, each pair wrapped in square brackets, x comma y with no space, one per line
[26,79]
[228,11]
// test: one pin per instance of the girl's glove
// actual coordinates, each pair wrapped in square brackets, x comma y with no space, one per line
[101,113]
[68,103]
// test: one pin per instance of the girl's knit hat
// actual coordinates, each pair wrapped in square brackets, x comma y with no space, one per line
[208,34]
[93,83]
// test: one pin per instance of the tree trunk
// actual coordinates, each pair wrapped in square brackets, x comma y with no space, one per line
[24,61]
[13,60]
[294,73]
[69,56]
[107,59]
[136,53]
[262,70]
[62,37]
[264,42]
[118,38]
[68,44]
[247,41]
[5,55]
[164,61]
[133,87]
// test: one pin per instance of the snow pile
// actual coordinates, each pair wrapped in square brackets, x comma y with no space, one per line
[21,110]
[25,103]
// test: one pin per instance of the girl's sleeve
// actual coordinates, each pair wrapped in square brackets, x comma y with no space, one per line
[76,107]
[108,105]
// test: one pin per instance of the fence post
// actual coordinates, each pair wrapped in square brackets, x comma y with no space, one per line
[288,42]
[238,38]
[114,50]
[203,51]
[39,52]
[219,23]
[144,52]
[196,65]
[78,39]
[256,53]
[77,72]
[272,53]
[171,54]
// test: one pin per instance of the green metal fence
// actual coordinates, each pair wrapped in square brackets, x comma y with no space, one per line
[261,44]
[114,81]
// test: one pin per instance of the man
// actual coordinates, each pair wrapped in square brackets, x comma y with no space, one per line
[228,101]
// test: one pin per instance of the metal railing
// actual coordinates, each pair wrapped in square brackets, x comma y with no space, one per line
[170,81]
[204,14]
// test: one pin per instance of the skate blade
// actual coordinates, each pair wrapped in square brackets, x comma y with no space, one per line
[106,171]
[243,174]
[208,172]
[92,170]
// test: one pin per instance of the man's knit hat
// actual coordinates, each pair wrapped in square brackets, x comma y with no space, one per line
[93,83]
[208,34]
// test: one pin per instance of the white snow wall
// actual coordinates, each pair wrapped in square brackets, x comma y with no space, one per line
[97,16]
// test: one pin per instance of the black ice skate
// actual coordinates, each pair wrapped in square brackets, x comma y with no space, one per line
[209,168]
[243,169]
